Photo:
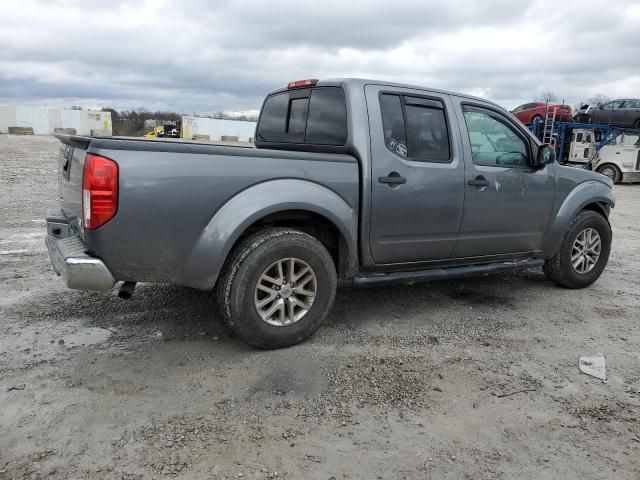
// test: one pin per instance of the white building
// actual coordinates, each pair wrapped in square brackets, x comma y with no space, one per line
[216,128]
[7,118]
[44,120]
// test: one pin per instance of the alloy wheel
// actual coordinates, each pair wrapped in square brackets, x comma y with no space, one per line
[585,251]
[285,291]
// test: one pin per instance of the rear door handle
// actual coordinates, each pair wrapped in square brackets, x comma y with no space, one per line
[479,181]
[394,178]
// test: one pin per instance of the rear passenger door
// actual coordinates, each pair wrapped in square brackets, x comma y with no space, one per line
[507,203]
[417,175]
[609,113]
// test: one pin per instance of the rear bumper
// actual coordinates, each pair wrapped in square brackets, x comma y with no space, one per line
[70,259]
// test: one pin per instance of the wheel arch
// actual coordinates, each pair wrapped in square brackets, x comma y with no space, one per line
[286,202]
[591,195]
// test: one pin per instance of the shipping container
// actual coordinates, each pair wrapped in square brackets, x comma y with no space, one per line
[215,128]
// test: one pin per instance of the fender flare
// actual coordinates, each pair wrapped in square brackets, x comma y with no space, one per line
[250,205]
[587,193]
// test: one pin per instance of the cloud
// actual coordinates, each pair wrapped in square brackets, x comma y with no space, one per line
[208,56]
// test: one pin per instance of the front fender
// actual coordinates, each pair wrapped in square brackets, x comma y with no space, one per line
[245,208]
[586,193]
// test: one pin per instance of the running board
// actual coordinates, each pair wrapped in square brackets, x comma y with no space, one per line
[444,273]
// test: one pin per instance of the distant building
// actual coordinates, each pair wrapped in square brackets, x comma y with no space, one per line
[215,128]
[46,120]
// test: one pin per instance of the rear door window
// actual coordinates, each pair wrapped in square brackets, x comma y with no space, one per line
[415,127]
[395,137]
[305,116]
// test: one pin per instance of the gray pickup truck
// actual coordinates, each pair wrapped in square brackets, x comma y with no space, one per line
[350,181]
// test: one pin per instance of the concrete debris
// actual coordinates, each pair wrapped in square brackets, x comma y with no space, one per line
[594,366]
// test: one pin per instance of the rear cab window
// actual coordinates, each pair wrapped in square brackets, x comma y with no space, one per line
[307,116]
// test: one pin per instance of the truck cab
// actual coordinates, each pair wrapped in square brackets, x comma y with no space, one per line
[618,158]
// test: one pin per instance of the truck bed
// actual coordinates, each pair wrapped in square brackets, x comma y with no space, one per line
[170,190]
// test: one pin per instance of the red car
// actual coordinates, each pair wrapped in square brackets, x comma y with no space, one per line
[528,112]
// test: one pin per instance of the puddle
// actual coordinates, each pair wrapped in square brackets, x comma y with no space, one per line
[88,336]
[476,297]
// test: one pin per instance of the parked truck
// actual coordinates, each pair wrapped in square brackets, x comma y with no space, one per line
[618,159]
[350,181]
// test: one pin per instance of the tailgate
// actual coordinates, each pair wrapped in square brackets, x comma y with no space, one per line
[70,165]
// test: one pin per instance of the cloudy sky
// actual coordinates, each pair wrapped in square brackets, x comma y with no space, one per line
[207,56]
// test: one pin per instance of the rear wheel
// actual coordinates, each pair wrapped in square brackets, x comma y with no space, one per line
[536,118]
[610,171]
[583,254]
[637,124]
[277,288]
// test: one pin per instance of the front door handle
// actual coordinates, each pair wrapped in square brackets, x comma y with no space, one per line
[393,178]
[479,181]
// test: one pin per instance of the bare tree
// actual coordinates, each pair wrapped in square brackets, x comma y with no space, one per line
[598,99]
[548,97]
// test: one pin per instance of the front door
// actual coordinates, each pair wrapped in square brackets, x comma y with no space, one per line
[417,175]
[507,203]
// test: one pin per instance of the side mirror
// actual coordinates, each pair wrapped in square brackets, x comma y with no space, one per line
[545,156]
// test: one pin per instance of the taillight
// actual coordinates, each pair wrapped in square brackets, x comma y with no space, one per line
[99,190]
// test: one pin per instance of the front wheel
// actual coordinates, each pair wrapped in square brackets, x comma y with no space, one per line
[583,254]
[278,287]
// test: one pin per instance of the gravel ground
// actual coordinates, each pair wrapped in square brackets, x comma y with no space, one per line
[465,379]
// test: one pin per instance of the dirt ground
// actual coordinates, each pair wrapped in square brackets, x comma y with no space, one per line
[465,379]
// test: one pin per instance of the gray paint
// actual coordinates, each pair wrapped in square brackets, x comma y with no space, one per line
[575,190]
[168,200]
[183,206]
[420,219]
[512,213]
[256,202]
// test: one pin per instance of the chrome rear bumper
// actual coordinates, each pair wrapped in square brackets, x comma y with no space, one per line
[70,259]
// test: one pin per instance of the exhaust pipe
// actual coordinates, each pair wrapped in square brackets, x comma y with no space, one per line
[126,290]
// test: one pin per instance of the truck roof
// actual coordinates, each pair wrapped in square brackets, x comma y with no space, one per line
[361,82]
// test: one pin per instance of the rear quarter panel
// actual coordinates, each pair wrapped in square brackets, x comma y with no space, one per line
[167,201]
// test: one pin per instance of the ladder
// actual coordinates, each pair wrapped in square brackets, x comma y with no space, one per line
[549,132]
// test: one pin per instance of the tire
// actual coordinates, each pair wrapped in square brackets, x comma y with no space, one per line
[636,125]
[611,171]
[238,294]
[536,117]
[560,269]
